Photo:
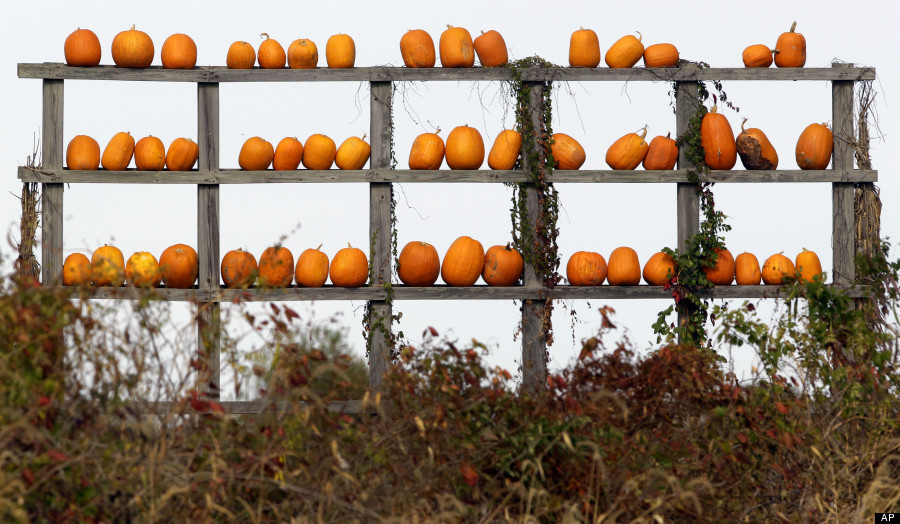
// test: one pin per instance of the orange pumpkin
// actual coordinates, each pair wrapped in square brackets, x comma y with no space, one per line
[662,154]
[77,270]
[182,154]
[178,52]
[353,153]
[312,268]
[349,268]
[303,54]
[270,55]
[107,267]
[287,155]
[241,55]
[457,48]
[776,269]
[142,270]
[465,148]
[659,269]
[584,49]
[722,274]
[256,154]
[463,262]
[505,151]
[82,49]
[567,152]
[417,49]
[427,151]
[239,269]
[790,49]
[418,264]
[83,152]
[586,268]
[491,49]
[661,55]
[625,52]
[746,270]
[340,51]
[319,152]
[132,48]
[624,267]
[503,266]
[276,267]
[814,147]
[755,149]
[809,267]
[757,55]
[717,139]
[149,154]
[180,266]
[118,152]
[628,152]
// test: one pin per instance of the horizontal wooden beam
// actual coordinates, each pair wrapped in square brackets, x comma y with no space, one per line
[237,176]
[387,74]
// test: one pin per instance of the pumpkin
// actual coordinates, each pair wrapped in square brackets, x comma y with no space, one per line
[178,52]
[340,51]
[586,268]
[465,148]
[628,152]
[132,48]
[624,267]
[83,152]
[625,52]
[239,269]
[107,267]
[349,268]
[76,270]
[809,267]
[584,49]
[757,55]
[567,152]
[503,266]
[303,54]
[142,270]
[118,152]
[312,268]
[722,274]
[241,55]
[182,154]
[717,139]
[746,270]
[418,264]
[287,155]
[776,269]
[427,151]
[463,262]
[149,154]
[659,269]
[319,152]
[457,48]
[256,154]
[755,149]
[662,154]
[353,153]
[505,151]
[814,147]
[180,266]
[417,49]
[790,49]
[661,55]
[491,49]
[270,55]
[82,49]
[276,267]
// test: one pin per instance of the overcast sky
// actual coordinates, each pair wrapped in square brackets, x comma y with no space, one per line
[766,219]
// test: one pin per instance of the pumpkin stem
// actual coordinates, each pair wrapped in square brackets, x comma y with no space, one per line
[714,109]
[743,123]
[668,134]
[349,246]
[793,26]
[775,51]
[264,35]
[132,27]
[640,36]
[643,134]
[319,248]
[364,136]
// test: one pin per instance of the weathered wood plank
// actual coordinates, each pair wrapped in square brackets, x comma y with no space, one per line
[250,407]
[843,232]
[688,201]
[52,193]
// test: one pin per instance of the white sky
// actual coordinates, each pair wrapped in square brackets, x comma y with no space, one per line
[766,218]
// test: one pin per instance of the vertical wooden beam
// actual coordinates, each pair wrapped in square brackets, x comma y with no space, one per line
[688,223]
[52,194]
[380,231]
[208,318]
[534,339]
[843,225]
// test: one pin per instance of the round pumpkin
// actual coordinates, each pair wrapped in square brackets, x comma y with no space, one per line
[82,49]
[180,266]
[349,267]
[417,49]
[303,54]
[661,55]
[182,154]
[239,269]
[717,139]
[567,152]
[132,48]
[722,274]
[776,269]
[625,52]
[340,51]
[288,154]
[83,153]
[505,151]
[628,152]
[107,267]
[790,49]
[757,55]
[457,48]
[503,266]
[465,148]
[270,55]
[312,268]
[586,268]
[256,154]
[419,264]
[142,270]
[755,150]
[624,267]
[118,152]
[241,55]
[276,267]
[809,267]
[77,270]
[319,152]
[353,153]
[746,270]
[814,147]
[662,154]
[463,262]
[584,49]
[427,151]
[659,269]
[149,154]
[491,49]
[178,52]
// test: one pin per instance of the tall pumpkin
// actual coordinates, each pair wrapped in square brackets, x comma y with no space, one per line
[353,153]
[108,267]
[182,154]
[149,154]
[427,151]
[340,51]
[659,269]
[662,154]
[239,269]
[814,147]
[241,55]
[77,270]
[746,270]
[505,151]
[624,267]
[256,154]
[776,269]
[276,267]
[142,270]
[180,266]
[83,152]
[584,49]
[303,54]
[717,139]
[178,52]
[417,49]
[503,266]
[808,266]
[82,48]
[271,54]
[790,49]
[661,55]
[625,52]
[722,274]
[319,152]
[349,267]
[118,152]
[628,152]
[567,152]
[757,55]
[312,268]
[457,48]
[463,262]
[288,154]
[465,148]
[132,48]
[755,149]
[491,49]
[418,264]
[586,268]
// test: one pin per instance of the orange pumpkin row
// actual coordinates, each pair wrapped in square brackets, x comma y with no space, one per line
[776,270]
[276,268]
[340,52]
[465,260]
[149,153]
[319,152]
[790,51]
[177,268]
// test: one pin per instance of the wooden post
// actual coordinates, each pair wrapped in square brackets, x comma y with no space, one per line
[208,318]
[688,225]
[380,231]
[52,194]
[843,225]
